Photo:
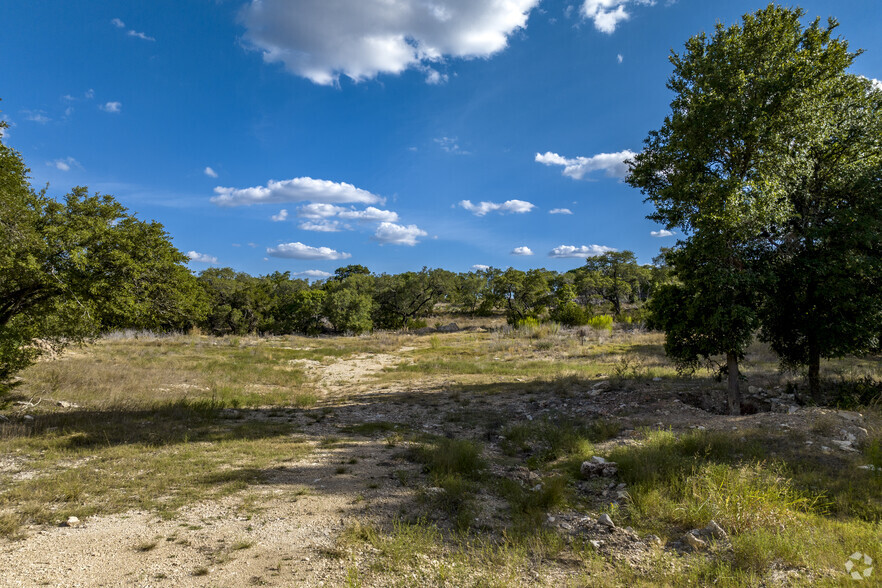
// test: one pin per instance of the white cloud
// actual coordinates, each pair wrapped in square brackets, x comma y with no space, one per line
[323,39]
[560,211]
[295,190]
[316,210]
[208,171]
[121,25]
[90,93]
[607,14]
[37,116]
[65,164]
[479,267]
[567,251]
[662,233]
[522,251]
[201,257]
[398,235]
[143,36]
[300,251]
[451,145]
[321,226]
[319,274]
[512,206]
[612,164]
[277,218]
[370,214]
[620,58]
[876,84]
[113,107]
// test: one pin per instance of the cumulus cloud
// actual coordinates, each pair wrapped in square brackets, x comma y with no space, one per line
[319,274]
[522,251]
[317,210]
[512,206]
[323,39]
[113,107]
[479,267]
[620,58]
[612,164]
[607,14]
[65,164]
[370,214]
[560,211]
[295,190]
[390,233]
[281,216]
[567,251]
[208,171]
[201,257]
[321,226]
[300,251]
[662,233]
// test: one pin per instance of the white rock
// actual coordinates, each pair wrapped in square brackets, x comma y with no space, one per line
[694,542]
[595,543]
[605,520]
[715,531]
[598,459]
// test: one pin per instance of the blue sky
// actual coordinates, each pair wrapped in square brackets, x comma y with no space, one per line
[303,135]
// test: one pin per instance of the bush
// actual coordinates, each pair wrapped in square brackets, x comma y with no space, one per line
[600,322]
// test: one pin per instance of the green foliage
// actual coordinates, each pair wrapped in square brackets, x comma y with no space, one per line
[600,322]
[522,294]
[403,298]
[613,276]
[72,269]
[741,139]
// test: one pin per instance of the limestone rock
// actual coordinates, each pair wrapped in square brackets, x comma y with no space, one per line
[694,542]
[605,520]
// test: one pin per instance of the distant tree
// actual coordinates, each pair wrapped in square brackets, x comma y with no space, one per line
[471,292]
[612,276]
[341,273]
[72,269]
[717,170]
[522,294]
[404,297]
[349,300]
[306,311]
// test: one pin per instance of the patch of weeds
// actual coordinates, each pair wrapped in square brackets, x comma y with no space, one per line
[200,571]
[340,470]
[241,544]
[145,546]
[10,525]
[550,439]
[528,505]
[330,442]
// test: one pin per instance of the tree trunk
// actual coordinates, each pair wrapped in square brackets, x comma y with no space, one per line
[734,392]
[814,371]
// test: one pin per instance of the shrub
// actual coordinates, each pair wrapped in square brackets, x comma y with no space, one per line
[600,322]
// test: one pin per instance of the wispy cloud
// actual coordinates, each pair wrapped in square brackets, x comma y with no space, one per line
[202,257]
[390,233]
[294,190]
[65,164]
[317,274]
[300,251]
[662,233]
[208,171]
[510,206]
[37,116]
[479,267]
[612,164]
[522,251]
[568,251]
[132,33]
[451,145]
[113,107]
[560,211]
[282,215]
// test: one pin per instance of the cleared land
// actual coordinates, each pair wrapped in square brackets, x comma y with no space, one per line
[448,459]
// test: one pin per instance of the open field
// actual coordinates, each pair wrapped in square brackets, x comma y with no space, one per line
[446,459]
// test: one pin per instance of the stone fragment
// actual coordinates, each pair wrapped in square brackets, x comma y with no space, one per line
[716,531]
[605,520]
[694,542]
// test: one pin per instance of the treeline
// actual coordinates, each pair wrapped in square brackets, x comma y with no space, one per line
[354,300]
